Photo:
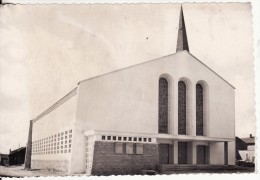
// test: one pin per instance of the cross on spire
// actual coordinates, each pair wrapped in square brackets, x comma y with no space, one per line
[182,42]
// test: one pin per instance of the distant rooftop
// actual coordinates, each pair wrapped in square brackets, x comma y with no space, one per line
[17,150]
[249,140]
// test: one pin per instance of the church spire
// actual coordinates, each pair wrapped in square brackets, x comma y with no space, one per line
[182,42]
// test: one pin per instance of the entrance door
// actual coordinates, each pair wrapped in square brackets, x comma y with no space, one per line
[226,153]
[182,153]
[201,154]
[163,153]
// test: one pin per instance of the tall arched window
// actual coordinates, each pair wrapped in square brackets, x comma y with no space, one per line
[199,110]
[163,106]
[182,101]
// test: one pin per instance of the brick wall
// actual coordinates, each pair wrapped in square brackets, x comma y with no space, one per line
[106,162]
[61,166]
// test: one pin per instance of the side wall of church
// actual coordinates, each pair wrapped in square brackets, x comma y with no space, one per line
[52,136]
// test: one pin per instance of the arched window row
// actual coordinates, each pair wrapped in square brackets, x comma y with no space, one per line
[182,107]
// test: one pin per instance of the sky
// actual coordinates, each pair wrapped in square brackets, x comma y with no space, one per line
[45,50]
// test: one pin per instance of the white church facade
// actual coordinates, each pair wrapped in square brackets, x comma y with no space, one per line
[171,110]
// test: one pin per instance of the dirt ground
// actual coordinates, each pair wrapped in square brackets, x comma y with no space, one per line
[19,171]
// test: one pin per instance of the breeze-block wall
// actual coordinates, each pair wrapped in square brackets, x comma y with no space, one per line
[52,165]
[107,162]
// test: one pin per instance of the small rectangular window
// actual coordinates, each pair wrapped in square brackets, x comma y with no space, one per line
[108,137]
[139,149]
[129,148]
[114,138]
[103,137]
[119,148]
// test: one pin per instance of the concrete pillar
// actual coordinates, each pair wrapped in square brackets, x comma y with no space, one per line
[193,110]
[175,108]
[194,153]
[171,112]
[175,151]
[28,154]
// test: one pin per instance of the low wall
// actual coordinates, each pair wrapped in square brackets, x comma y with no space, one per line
[61,166]
[107,162]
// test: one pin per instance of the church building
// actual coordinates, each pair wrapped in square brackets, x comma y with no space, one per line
[167,112]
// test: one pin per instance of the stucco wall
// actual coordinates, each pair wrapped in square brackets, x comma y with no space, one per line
[127,100]
[57,165]
[217,153]
[232,153]
[60,120]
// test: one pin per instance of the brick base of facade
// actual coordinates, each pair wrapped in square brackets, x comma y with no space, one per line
[61,166]
[107,162]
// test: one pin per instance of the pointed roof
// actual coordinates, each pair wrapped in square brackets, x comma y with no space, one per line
[182,42]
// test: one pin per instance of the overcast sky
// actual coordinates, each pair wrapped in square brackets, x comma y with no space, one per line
[46,50]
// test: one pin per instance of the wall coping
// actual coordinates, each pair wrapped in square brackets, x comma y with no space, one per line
[159,136]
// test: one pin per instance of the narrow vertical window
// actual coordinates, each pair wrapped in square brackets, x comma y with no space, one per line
[181,107]
[163,106]
[199,110]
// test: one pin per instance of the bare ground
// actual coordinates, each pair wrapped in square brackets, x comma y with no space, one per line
[19,171]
